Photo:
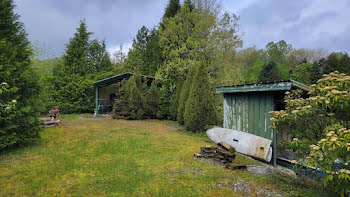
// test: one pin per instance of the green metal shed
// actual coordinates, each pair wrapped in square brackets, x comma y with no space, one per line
[247,106]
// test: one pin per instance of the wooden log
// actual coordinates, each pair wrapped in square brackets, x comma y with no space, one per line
[51,122]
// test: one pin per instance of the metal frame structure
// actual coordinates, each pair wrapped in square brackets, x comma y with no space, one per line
[111,80]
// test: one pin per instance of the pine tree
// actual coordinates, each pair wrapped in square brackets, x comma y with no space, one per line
[121,106]
[186,88]
[82,63]
[200,107]
[134,96]
[145,102]
[19,89]
[98,57]
[152,56]
[152,100]
[172,8]
[189,4]
[75,60]
[164,102]
[317,70]
[270,73]
[174,100]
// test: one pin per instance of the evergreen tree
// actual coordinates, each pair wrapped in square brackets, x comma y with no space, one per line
[145,102]
[141,39]
[317,70]
[121,105]
[200,107]
[19,89]
[83,63]
[75,60]
[172,9]
[134,96]
[189,4]
[302,73]
[174,100]
[163,100]
[152,100]
[270,73]
[185,91]
[337,62]
[98,57]
[152,56]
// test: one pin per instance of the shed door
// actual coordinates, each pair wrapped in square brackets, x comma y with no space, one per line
[249,112]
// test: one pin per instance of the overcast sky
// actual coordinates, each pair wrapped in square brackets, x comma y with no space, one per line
[302,23]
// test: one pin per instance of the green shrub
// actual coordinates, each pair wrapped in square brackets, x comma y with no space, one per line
[200,107]
[133,91]
[152,100]
[184,96]
[174,100]
[121,106]
[164,101]
[320,122]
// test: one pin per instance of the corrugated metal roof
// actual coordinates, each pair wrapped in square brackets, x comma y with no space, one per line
[262,87]
[117,78]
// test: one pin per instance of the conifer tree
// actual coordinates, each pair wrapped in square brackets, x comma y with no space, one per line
[134,96]
[152,100]
[189,4]
[145,102]
[19,89]
[172,8]
[270,73]
[164,101]
[174,100]
[83,63]
[75,59]
[185,91]
[98,57]
[200,107]
[121,106]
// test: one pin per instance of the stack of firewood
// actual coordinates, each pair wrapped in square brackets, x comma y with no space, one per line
[224,152]
[52,119]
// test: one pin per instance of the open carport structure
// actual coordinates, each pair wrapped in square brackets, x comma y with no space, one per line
[105,91]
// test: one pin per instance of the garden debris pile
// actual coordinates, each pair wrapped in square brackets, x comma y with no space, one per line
[52,119]
[224,152]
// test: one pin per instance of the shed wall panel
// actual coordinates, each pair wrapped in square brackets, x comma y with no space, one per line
[249,112]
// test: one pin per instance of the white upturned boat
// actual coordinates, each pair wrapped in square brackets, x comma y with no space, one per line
[243,142]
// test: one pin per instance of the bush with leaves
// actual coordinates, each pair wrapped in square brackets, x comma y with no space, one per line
[321,122]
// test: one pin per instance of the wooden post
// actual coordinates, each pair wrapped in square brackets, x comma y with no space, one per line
[274,156]
[96,100]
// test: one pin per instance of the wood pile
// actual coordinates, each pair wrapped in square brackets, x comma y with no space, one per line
[224,152]
[52,119]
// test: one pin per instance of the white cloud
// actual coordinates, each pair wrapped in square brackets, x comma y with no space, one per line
[112,49]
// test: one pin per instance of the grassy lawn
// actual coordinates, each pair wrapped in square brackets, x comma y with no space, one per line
[105,157]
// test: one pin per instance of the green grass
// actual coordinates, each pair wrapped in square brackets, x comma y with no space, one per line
[105,157]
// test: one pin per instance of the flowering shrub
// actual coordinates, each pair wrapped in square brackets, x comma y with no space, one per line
[319,126]
[7,115]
